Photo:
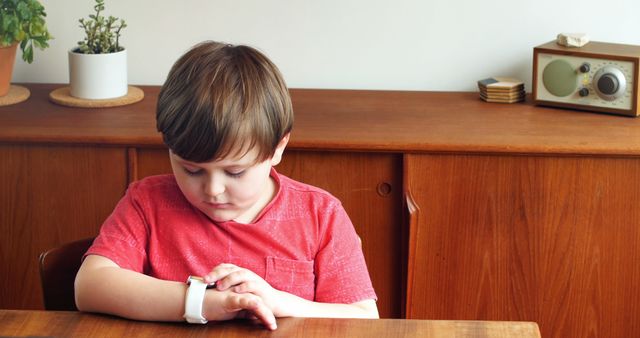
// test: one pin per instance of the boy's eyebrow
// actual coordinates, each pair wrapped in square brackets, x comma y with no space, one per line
[182,161]
[242,164]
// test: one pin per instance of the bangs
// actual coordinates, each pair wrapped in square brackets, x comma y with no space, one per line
[222,101]
[229,133]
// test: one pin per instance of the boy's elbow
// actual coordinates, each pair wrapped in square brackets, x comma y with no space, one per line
[86,288]
[369,309]
[89,280]
[79,293]
[372,314]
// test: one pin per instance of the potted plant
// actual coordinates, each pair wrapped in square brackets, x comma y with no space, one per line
[21,21]
[98,65]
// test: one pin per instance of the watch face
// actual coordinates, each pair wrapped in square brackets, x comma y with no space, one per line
[195,278]
[201,280]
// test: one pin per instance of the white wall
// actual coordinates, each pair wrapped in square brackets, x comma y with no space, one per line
[364,44]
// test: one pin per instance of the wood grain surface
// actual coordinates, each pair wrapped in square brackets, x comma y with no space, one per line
[390,121]
[77,324]
[50,195]
[547,239]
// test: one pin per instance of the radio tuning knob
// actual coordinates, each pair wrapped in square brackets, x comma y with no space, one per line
[585,68]
[609,83]
[583,92]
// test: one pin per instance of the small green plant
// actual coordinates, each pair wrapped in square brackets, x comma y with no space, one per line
[102,34]
[23,21]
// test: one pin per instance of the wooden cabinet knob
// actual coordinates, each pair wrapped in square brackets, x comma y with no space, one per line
[384,189]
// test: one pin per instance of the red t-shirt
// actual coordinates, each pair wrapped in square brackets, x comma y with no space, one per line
[302,242]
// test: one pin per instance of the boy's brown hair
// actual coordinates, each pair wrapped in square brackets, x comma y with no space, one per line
[223,100]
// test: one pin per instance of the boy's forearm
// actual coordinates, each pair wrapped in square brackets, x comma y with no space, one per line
[102,286]
[295,306]
[129,294]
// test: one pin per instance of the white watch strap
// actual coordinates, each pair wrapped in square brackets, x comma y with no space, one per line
[193,302]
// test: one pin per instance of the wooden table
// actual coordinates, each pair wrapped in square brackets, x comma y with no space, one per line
[71,324]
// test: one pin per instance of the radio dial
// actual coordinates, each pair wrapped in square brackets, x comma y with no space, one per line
[609,83]
[585,68]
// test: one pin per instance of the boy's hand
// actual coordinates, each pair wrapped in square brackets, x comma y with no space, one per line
[246,282]
[225,305]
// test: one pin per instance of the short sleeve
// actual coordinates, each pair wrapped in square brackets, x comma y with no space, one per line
[124,234]
[342,275]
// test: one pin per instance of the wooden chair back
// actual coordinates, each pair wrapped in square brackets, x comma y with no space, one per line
[58,268]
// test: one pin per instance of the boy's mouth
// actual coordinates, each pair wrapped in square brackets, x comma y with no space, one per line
[218,205]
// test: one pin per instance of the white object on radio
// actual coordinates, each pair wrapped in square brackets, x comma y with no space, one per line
[572,39]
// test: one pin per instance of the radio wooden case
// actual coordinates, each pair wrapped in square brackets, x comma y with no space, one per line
[600,77]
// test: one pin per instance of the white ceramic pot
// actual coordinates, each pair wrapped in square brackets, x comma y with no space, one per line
[98,76]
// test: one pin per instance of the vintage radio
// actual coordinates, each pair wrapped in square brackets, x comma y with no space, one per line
[600,77]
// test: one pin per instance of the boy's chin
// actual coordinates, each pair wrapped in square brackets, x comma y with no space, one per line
[219,218]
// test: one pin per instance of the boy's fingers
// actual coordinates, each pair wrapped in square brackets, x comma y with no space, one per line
[220,272]
[263,314]
[256,306]
[234,278]
[247,287]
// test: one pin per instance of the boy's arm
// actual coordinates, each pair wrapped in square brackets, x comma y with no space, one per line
[284,304]
[294,306]
[102,286]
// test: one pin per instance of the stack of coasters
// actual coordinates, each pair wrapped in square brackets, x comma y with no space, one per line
[501,89]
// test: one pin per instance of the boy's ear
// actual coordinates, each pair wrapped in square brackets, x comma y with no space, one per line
[277,155]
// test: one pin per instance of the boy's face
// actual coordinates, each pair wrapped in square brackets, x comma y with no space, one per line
[228,189]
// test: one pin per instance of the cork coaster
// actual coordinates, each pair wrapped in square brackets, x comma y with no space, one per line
[15,95]
[62,96]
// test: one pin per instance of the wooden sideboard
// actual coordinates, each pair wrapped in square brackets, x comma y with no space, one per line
[468,210]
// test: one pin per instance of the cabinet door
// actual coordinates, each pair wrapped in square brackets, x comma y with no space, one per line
[50,195]
[370,188]
[145,162]
[547,239]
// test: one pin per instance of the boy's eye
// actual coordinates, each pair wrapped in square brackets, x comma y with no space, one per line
[235,173]
[192,172]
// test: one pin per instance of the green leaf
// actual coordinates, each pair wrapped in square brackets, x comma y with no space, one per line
[101,32]
[27,54]
[23,21]
[23,11]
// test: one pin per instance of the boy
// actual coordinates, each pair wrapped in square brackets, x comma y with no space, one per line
[250,241]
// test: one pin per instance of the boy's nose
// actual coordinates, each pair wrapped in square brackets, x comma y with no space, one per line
[214,187]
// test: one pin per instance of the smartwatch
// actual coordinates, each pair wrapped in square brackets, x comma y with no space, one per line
[194,299]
